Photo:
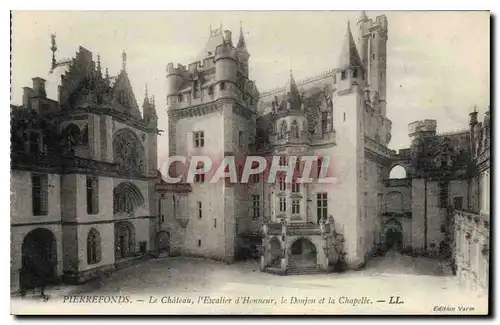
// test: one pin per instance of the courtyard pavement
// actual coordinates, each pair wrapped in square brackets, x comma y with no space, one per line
[197,286]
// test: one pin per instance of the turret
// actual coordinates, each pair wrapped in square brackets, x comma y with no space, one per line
[226,67]
[39,87]
[174,80]
[350,68]
[419,129]
[363,25]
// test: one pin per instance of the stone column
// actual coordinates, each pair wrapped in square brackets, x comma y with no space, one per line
[265,249]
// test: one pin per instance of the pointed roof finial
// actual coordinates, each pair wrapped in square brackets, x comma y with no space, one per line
[98,62]
[153,99]
[146,90]
[349,55]
[241,41]
[107,73]
[124,61]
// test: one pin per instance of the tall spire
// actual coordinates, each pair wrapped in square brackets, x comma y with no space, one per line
[241,41]
[292,93]
[124,61]
[145,104]
[349,56]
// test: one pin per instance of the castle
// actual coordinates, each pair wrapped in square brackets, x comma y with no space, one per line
[87,197]
[83,175]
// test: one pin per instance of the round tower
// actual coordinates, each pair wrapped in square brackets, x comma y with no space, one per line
[226,67]
[174,81]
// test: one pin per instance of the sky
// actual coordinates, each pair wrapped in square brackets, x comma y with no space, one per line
[438,63]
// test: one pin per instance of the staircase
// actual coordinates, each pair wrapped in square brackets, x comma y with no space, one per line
[304,270]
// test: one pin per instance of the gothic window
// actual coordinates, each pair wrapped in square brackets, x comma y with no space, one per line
[128,151]
[255,206]
[295,187]
[199,139]
[343,75]
[295,129]
[93,247]
[355,73]
[283,129]
[92,195]
[40,195]
[126,198]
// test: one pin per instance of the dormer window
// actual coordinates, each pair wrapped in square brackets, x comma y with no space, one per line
[222,85]
[343,75]
[355,73]
[179,98]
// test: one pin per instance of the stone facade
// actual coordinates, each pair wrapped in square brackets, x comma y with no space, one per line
[472,224]
[83,197]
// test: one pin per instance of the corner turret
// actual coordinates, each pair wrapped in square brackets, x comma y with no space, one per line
[423,128]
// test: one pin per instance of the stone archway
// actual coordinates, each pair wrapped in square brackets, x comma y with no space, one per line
[393,235]
[303,253]
[275,252]
[39,258]
[124,240]
[164,242]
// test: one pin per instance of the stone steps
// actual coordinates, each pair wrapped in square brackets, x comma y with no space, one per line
[304,270]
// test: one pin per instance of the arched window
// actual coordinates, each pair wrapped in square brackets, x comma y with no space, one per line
[126,198]
[93,247]
[295,129]
[128,151]
[283,129]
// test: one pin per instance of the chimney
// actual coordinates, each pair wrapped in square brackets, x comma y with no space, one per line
[39,87]
[27,94]
[228,37]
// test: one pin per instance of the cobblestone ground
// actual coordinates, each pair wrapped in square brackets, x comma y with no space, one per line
[198,286]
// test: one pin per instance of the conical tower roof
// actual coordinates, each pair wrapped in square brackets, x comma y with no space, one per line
[349,57]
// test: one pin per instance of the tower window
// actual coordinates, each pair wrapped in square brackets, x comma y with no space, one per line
[211,90]
[199,139]
[40,193]
[322,206]
[199,242]
[179,98]
[342,75]
[282,183]
[373,56]
[222,85]
[344,116]
[295,187]
[373,35]
[215,223]
[200,212]
[355,73]
[295,207]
